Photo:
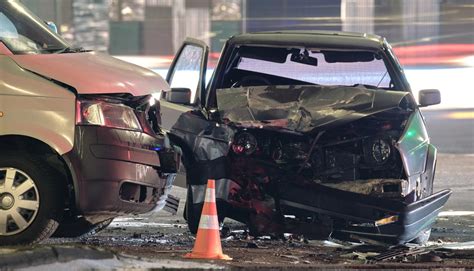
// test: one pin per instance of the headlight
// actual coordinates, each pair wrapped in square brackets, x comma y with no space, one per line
[377,151]
[380,151]
[106,114]
[244,143]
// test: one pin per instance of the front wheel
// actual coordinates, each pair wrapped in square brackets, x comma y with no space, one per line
[30,199]
[192,212]
[422,238]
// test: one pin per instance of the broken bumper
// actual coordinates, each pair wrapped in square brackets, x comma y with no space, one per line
[356,217]
[118,171]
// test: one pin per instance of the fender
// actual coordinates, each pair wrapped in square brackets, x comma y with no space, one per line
[427,177]
[413,148]
[35,107]
[204,144]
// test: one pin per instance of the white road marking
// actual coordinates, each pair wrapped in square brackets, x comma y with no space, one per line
[144,225]
[456,213]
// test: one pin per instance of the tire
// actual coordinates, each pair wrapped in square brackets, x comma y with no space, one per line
[30,220]
[192,212]
[79,227]
[422,238]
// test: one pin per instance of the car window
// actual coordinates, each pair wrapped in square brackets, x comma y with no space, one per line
[7,28]
[24,33]
[187,71]
[372,73]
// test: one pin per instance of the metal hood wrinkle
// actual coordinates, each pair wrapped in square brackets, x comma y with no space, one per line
[94,73]
[302,108]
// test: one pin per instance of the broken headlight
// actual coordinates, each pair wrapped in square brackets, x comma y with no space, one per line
[112,115]
[377,151]
[244,143]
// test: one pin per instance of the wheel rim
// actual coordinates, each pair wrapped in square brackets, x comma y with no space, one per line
[19,201]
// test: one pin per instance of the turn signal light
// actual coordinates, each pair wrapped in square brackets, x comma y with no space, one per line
[387,220]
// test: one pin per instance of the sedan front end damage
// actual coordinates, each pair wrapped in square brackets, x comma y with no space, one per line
[310,132]
[367,218]
[338,158]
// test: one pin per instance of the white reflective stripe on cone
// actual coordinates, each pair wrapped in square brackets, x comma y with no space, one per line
[210,195]
[209,222]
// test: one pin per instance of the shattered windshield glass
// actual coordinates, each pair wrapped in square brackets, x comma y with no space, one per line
[24,33]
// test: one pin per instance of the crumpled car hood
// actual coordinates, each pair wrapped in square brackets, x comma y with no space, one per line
[303,108]
[94,73]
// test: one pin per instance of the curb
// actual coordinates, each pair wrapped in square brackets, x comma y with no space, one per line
[47,255]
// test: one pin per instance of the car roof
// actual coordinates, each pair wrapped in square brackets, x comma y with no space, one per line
[323,39]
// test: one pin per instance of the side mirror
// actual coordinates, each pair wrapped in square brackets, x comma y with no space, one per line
[52,26]
[427,97]
[178,95]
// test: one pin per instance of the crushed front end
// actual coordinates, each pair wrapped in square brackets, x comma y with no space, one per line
[347,162]
[119,163]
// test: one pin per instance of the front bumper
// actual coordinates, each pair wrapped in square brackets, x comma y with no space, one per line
[118,171]
[355,216]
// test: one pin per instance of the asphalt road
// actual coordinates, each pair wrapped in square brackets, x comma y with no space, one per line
[159,240]
[456,172]
[452,131]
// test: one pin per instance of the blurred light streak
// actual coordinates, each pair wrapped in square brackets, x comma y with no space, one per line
[438,37]
[455,85]
[463,115]
[467,61]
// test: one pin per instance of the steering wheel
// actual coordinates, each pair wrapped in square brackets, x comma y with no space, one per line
[252,80]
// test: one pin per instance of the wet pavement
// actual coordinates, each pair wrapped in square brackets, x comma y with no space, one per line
[159,240]
[451,130]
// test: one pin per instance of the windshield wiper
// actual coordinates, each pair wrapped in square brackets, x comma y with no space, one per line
[67,50]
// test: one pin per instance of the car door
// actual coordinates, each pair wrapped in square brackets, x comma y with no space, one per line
[186,78]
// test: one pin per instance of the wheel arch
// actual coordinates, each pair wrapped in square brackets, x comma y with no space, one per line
[35,146]
[187,155]
[15,142]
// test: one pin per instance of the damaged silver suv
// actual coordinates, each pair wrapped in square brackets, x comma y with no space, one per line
[308,132]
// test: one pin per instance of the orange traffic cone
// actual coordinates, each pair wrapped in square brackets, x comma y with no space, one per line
[208,240]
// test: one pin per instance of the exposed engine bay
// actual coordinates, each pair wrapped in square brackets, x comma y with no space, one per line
[357,151]
[323,160]
[359,157]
